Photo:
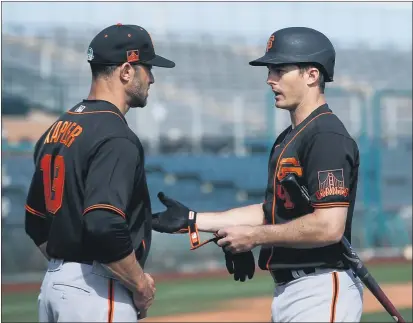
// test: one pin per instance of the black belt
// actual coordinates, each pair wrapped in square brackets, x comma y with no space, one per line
[85,262]
[283,276]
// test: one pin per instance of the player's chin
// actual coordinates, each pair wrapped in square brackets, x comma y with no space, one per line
[281,105]
[284,105]
[139,102]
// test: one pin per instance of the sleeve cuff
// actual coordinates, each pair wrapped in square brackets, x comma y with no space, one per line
[105,207]
[330,204]
[34,212]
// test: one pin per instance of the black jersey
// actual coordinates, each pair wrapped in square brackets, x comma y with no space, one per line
[89,159]
[326,161]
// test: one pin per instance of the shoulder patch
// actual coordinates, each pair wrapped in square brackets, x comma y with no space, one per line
[331,182]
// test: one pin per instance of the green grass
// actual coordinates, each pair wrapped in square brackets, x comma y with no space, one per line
[392,273]
[385,317]
[200,295]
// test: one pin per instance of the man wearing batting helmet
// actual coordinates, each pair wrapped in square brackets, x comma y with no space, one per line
[300,244]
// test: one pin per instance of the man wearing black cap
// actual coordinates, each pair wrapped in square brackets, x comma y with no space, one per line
[88,208]
[300,244]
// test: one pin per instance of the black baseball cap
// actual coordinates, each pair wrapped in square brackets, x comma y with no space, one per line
[119,44]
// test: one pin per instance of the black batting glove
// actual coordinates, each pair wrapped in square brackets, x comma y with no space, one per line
[241,265]
[175,219]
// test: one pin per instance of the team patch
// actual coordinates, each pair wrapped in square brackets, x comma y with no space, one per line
[330,183]
[132,55]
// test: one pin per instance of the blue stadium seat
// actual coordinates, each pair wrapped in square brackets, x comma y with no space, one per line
[20,169]
[396,161]
[245,172]
[396,177]
[13,210]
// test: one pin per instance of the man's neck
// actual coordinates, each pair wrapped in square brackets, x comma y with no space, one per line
[304,109]
[101,91]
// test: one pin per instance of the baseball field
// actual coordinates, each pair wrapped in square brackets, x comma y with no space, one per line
[217,298]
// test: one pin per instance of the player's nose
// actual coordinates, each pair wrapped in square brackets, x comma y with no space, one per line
[151,78]
[273,84]
[270,81]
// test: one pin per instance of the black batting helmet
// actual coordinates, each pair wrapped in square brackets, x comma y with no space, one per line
[296,45]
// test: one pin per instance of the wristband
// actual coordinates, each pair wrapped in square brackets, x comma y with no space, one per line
[194,238]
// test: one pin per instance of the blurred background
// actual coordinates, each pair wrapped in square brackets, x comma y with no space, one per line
[210,122]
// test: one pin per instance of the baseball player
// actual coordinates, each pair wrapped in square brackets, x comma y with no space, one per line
[299,245]
[88,208]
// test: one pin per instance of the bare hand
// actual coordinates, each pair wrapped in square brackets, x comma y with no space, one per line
[237,239]
[150,280]
[144,297]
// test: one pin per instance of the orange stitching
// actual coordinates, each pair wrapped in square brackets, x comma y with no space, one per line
[90,112]
[33,211]
[104,206]
[328,205]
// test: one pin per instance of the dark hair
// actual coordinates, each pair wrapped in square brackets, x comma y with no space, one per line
[99,70]
[321,83]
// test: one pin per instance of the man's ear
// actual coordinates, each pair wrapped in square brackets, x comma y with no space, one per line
[126,72]
[313,75]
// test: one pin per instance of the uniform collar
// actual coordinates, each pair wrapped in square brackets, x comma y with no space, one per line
[321,109]
[103,105]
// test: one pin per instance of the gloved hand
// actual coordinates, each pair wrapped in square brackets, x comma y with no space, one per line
[242,265]
[175,219]
[178,218]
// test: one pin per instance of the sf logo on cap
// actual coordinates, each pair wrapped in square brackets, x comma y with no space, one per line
[90,54]
[269,43]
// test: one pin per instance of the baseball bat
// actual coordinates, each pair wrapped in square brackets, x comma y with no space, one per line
[294,189]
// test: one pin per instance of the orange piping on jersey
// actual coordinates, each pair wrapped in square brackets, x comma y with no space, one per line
[105,206]
[144,245]
[273,152]
[327,205]
[33,211]
[275,177]
[111,301]
[90,112]
[336,289]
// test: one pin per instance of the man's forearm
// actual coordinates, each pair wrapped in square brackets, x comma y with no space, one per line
[213,221]
[305,232]
[129,272]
